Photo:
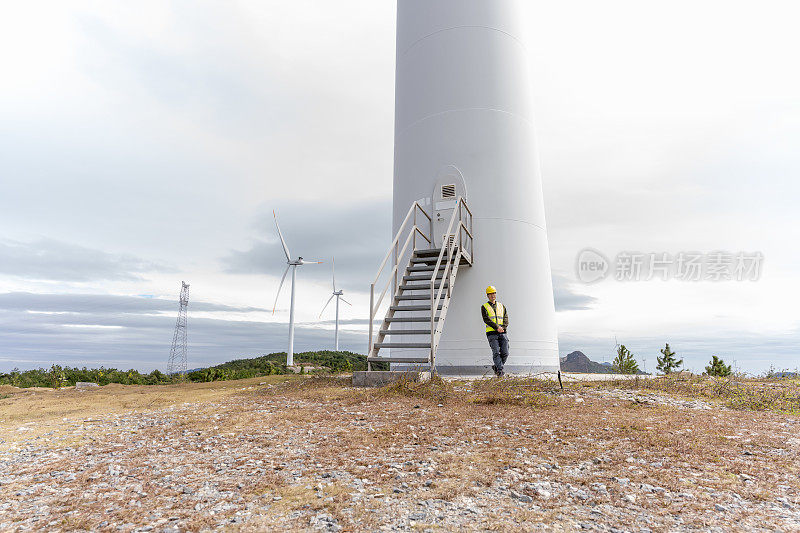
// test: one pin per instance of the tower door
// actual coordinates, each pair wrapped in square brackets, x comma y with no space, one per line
[450,186]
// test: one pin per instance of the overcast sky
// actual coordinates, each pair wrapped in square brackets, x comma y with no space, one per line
[146,143]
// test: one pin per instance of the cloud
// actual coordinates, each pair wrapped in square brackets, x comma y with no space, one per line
[104,304]
[568,300]
[344,322]
[133,332]
[356,236]
[48,259]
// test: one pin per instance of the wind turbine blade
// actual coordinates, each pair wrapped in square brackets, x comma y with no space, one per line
[283,242]
[326,305]
[333,270]
[345,301]
[304,262]
[280,287]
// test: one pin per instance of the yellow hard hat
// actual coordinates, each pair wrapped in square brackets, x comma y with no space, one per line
[490,289]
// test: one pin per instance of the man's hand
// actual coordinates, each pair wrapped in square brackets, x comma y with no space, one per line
[501,329]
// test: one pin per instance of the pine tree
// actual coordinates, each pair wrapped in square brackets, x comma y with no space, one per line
[717,367]
[624,363]
[667,364]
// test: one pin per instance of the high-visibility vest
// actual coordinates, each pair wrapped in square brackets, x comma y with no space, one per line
[497,317]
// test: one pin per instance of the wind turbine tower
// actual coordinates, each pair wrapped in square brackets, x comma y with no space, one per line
[464,127]
[338,295]
[293,264]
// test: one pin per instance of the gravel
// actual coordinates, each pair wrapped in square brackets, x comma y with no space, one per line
[344,463]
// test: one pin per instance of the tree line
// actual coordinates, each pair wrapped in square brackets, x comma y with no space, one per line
[274,363]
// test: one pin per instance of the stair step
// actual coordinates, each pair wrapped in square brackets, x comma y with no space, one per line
[421,287]
[413,307]
[398,360]
[424,268]
[431,261]
[407,297]
[412,319]
[402,345]
[428,260]
[405,332]
[428,253]
[422,277]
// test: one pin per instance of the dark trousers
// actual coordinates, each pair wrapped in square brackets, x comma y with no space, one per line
[499,344]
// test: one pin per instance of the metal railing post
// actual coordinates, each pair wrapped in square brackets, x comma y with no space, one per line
[414,246]
[371,318]
[433,329]
[397,269]
[471,240]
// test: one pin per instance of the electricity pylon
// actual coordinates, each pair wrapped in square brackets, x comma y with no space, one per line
[177,356]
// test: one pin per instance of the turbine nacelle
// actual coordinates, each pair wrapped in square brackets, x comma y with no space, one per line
[300,262]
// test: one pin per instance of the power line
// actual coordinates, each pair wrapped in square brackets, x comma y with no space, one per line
[177,356]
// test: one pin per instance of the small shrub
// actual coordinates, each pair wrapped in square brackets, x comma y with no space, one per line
[731,391]
[511,391]
[527,392]
[717,367]
[668,363]
[624,363]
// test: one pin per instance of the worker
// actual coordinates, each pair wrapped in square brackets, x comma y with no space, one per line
[495,316]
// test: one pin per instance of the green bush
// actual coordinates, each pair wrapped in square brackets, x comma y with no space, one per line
[64,377]
[717,367]
[266,365]
[624,363]
[668,363]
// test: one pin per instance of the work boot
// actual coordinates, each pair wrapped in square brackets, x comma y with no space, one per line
[494,369]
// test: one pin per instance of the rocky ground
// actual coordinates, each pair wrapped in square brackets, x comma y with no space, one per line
[316,455]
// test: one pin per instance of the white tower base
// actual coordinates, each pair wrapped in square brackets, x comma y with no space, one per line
[464,114]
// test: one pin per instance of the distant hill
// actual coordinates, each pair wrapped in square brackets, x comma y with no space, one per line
[578,362]
[275,363]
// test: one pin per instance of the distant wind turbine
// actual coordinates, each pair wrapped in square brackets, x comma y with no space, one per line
[338,295]
[293,264]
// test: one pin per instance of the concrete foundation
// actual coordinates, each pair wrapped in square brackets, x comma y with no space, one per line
[486,370]
[379,378]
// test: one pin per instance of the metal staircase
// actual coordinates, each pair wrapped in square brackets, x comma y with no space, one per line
[422,294]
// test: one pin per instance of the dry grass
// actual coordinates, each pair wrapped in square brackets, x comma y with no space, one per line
[445,440]
[40,411]
[735,392]
[500,392]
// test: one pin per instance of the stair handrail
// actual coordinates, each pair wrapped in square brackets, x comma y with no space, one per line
[412,237]
[451,246]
